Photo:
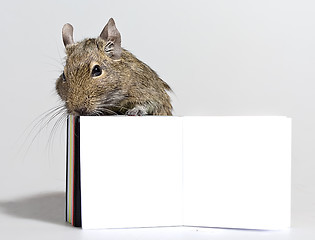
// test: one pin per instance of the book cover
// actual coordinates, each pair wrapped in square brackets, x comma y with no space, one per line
[229,172]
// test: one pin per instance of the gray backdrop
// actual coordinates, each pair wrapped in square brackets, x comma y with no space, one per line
[221,57]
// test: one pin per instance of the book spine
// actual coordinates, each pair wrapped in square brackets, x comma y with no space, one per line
[73,178]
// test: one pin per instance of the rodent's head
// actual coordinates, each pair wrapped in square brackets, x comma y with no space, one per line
[89,71]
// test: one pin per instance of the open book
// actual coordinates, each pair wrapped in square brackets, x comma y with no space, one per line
[229,172]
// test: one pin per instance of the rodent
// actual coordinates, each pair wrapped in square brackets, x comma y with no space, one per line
[102,78]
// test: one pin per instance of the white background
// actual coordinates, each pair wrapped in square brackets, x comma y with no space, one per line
[220,57]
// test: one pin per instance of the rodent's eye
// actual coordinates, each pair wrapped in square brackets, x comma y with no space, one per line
[96,71]
[63,77]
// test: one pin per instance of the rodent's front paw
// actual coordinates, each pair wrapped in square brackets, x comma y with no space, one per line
[137,111]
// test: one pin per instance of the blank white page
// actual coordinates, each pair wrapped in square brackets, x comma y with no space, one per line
[237,172]
[131,171]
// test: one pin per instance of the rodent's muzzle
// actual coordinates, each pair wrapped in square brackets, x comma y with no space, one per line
[81,111]
[78,105]
[77,110]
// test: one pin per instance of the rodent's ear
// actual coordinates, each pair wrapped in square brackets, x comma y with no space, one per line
[67,34]
[112,36]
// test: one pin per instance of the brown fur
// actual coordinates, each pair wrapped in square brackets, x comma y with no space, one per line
[126,85]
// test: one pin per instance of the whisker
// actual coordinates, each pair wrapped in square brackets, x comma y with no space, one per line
[52,132]
[45,125]
[38,124]
[106,110]
[39,119]
[112,105]
[60,121]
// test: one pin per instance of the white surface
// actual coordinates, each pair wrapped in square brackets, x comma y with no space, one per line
[221,57]
[236,172]
[131,171]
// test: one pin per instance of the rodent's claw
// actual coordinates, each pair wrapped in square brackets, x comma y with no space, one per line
[137,111]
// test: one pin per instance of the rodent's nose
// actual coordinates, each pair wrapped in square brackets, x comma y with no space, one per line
[81,111]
